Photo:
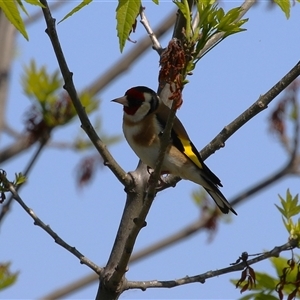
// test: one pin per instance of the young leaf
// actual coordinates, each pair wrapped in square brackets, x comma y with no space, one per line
[285,6]
[12,13]
[7,278]
[182,8]
[19,179]
[127,11]
[35,2]
[39,84]
[76,9]
[22,7]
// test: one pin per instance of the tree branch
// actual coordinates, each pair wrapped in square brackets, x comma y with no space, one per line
[7,205]
[112,280]
[187,231]
[257,107]
[155,43]
[127,60]
[108,76]
[40,223]
[109,161]
[275,252]
[38,15]
[136,224]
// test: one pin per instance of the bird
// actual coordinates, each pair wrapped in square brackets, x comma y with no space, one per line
[144,120]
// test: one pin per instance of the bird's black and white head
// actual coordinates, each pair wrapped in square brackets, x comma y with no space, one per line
[138,102]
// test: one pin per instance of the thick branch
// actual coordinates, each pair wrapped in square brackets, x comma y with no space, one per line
[133,220]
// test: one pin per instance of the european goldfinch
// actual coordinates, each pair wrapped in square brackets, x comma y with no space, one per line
[144,119]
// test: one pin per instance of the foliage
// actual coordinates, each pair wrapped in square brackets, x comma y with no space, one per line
[11,11]
[288,270]
[212,20]
[126,14]
[285,5]
[273,287]
[4,183]
[76,9]
[7,278]
[50,107]
[290,208]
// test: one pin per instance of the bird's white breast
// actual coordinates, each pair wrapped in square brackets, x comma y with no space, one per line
[143,143]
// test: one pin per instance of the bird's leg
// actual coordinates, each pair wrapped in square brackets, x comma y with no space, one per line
[161,182]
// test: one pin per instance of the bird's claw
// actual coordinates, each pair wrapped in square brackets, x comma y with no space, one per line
[161,182]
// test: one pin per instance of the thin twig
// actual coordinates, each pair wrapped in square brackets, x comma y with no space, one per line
[40,223]
[7,205]
[109,161]
[155,43]
[275,252]
[127,60]
[257,107]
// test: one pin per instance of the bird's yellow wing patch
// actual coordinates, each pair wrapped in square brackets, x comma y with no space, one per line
[189,151]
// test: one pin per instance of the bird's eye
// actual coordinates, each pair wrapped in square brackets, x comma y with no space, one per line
[135,97]
[134,102]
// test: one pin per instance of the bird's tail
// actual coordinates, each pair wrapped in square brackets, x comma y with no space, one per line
[221,201]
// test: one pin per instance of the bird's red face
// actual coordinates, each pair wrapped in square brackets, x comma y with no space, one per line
[135,98]
[138,102]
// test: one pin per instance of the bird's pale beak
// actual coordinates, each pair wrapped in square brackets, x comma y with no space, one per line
[122,100]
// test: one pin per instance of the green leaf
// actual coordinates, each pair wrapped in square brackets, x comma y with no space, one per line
[12,13]
[40,85]
[6,277]
[157,1]
[126,14]
[185,10]
[35,2]
[182,8]
[76,9]
[285,6]
[262,296]
[220,14]
[19,179]
[22,7]
[281,210]
[265,281]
